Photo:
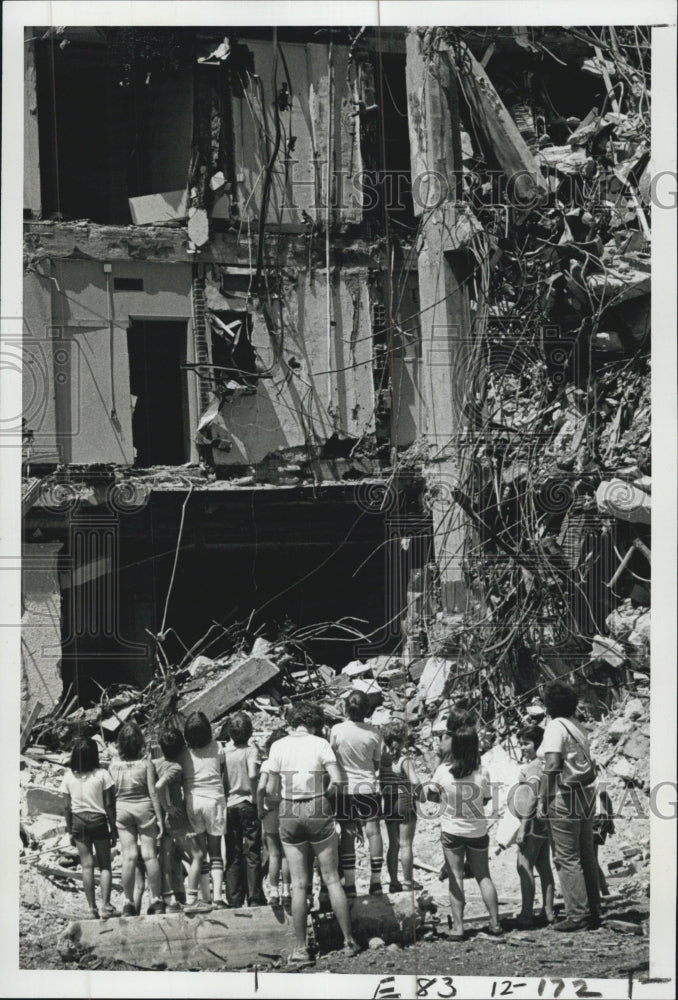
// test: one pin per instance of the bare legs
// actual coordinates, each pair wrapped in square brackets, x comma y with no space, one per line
[328,859]
[534,852]
[400,841]
[478,862]
[277,865]
[87,865]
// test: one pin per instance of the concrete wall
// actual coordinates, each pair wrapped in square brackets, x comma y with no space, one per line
[87,383]
[306,405]
[308,66]
[38,373]
[31,138]
[40,626]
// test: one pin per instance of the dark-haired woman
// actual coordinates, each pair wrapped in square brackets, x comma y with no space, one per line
[568,800]
[139,817]
[297,767]
[463,787]
[89,812]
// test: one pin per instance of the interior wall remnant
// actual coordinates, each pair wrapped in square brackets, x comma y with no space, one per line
[32,200]
[319,386]
[39,367]
[86,323]
[446,326]
[40,626]
[406,360]
[312,119]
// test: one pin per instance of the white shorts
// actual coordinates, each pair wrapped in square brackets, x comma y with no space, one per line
[206,815]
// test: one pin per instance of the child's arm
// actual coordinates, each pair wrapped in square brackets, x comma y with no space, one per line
[150,782]
[253,773]
[410,772]
[109,806]
[261,793]
[68,816]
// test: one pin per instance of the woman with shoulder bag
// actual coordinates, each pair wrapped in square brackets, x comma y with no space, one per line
[568,800]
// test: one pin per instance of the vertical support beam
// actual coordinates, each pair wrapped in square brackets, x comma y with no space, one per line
[444,299]
[32,196]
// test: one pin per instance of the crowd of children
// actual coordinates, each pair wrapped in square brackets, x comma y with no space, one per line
[206,800]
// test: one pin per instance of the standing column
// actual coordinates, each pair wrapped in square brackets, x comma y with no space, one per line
[444,300]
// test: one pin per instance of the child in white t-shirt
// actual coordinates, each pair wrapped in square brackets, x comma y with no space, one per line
[462,787]
[357,746]
[90,819]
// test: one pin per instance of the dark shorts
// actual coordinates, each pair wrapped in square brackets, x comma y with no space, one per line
[90,827]
[306,821]
[362,806]
[398,806]
[452,842]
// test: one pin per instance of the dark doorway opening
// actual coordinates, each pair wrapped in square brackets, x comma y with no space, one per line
[157,350]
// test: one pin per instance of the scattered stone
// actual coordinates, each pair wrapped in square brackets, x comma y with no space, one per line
[433,681]
[618,728]
[624,769]
[636,746]
[375,943]
[634,709]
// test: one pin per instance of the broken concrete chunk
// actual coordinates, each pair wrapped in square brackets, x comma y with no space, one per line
[637,747]
[619,728]
[115,722]
[231,687]
[200,665]
[357,669]
[609,650]
[158,208]
[261,647]
[370,687]
[381,716]
[41,800]
[624,769]
[434,679]
[635,709]
[623,500]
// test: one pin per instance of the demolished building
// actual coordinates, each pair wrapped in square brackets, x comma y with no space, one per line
[337,325]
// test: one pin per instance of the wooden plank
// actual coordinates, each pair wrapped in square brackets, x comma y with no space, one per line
[232,687]
[53,871]
[231,939]
[28,727]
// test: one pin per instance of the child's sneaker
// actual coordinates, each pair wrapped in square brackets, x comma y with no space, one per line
[173,907]
[157,906]
[129,910]
[108,911]
[93,913]
[199,906]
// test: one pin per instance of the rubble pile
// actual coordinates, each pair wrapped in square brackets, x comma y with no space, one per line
[555,454]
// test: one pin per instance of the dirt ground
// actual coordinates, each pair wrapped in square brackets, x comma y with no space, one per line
[46,907]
